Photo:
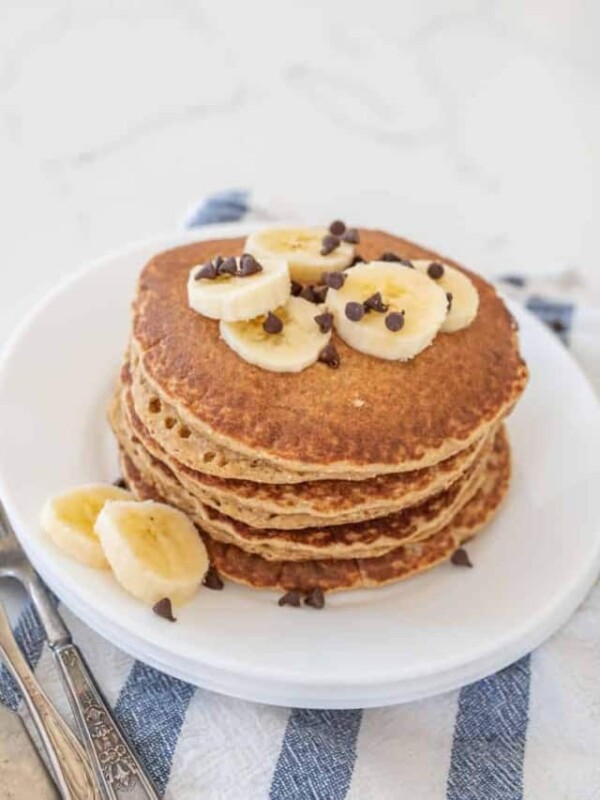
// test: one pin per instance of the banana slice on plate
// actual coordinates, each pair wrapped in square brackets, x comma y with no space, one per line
[244,292]
[301,248]
[286,340]
[154,550]
[68,519]
[463,298]
[388,310]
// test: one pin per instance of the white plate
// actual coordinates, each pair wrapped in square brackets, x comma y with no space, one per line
[427,635]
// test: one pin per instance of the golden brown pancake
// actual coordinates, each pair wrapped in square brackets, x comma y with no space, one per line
[369,417]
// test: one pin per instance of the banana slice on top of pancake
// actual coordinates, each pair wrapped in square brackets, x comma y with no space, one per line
[463,298]
[154,550]
[287,339]
[235,289]
[388,310]
[309,252]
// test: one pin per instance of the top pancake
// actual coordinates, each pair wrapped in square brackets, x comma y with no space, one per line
[369,416]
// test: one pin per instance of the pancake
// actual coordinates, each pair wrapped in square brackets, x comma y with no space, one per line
[333,574]
[369,417]
[295,506]
[370,538]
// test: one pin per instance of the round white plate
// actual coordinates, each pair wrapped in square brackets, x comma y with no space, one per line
[432,633]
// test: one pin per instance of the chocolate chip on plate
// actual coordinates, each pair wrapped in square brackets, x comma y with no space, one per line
[120,483]
[375,303]
[249,265]
[228,266]
[337,227]
[435,270]
[354,311]
[324,321]
[272,323]
[291,598]
[449,298]
[329,243]
[296,288]
[394,321]
[334,280]
[330,356]
[212,580]
[351,236]
[315,598]
[207,271]
[164,609]
[460,558]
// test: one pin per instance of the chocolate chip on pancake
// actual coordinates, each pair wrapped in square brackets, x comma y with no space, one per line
[357,260]
[396,259]
[395,321]
[334,280]
[249,265]
[354,311]
[329,243]
[319,293]
[207,271]
[337,228]
[228,267]
[212,580]
[449,298]
[351,236]
[164,609]
[324,321]
[120,483]
[330,356]
[272,323]
[295,288]
[291,598]
[315,598]
[460,558]
[435,270]
[375,303]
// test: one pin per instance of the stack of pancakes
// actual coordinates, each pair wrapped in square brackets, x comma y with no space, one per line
[328,478]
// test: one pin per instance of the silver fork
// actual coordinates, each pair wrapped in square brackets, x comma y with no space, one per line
[117,769]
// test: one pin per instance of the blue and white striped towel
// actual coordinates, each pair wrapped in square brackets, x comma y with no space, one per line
[530,731]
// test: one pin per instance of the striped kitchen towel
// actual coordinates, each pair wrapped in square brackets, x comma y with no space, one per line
[530,731]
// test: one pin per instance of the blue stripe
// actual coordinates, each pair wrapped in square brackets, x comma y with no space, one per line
[489,737]
[151,709]
[30,638]
[317,755]
[228,206]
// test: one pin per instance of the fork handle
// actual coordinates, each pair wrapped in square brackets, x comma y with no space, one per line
[118,770]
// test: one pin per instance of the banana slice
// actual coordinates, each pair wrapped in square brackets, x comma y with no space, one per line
[463,297]
[411,311]
[301,247]
[232,297]
[154,550]
[296,346]
[68,519]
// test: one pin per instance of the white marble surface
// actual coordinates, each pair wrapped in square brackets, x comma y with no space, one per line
[473,126]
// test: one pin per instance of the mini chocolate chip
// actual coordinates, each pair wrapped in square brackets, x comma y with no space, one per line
[328,244]
[449,298]
[206,272]
[460,558]
[249,265]
[308,294]
[272,323]
[354,311]
[319,294]
[212,580]
[296,288]
[435,270]
[121,483]
[315,598]
[337,228]
[396,259]
[291,598]
[324,321]
[164,609]
[334,280]
[227,267]
[217,261]
[357,260]
[330,356]
[375,303]
[395,321]
[351,236]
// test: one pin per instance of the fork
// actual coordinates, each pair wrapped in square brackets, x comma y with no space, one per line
[117,769]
